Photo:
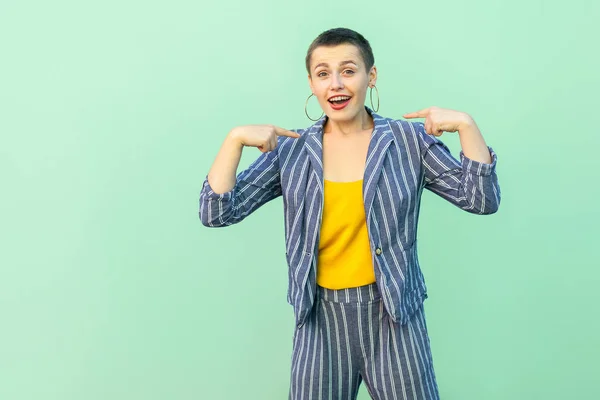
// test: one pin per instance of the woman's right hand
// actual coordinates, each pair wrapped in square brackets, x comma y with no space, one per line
[263,137]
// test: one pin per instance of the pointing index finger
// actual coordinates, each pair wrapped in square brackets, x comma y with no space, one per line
[284,132]
[418,114]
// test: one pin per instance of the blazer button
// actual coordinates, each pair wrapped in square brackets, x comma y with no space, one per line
[378,251]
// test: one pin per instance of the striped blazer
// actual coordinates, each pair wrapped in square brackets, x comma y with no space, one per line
[402,160]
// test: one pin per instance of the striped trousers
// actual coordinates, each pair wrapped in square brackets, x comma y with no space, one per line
[349,337]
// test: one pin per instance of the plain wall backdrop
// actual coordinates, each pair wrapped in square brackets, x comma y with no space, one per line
[111,114]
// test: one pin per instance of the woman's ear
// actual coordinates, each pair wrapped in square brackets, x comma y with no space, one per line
[373,76]
[312,90]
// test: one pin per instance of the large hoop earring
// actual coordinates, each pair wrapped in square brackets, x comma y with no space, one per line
[371,96]
[306,111]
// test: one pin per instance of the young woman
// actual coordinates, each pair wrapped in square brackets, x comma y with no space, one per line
[351,185]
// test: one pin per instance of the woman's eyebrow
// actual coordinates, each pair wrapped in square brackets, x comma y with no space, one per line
[324,64]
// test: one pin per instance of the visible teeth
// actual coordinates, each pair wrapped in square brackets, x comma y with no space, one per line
[339,98]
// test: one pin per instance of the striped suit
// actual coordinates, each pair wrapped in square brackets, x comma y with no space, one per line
[350,338]
[402,160]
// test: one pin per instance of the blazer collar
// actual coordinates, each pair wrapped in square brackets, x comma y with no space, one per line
[381,138]
[317,127]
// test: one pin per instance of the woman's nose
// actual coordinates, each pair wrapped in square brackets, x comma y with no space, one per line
[336,82]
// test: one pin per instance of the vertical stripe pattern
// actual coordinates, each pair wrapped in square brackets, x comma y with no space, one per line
[349,339]
[402,161]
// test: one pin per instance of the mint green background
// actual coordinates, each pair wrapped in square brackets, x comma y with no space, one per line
[112,113]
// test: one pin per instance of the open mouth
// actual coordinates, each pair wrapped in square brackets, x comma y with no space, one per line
[339,102]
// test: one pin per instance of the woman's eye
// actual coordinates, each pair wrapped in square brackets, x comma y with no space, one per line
[322,74]
[349,71]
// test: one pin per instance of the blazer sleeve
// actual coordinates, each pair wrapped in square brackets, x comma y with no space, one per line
[256,185]
[468,184]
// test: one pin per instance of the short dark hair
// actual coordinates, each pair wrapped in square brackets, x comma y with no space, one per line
[337,36]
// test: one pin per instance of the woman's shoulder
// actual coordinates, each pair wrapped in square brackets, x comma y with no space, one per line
[288,143]
[402,126]
[410,131]
[403,123]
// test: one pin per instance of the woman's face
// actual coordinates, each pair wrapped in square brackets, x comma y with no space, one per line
[339,79]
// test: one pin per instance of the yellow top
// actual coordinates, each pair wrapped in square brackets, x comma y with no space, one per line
[345,258]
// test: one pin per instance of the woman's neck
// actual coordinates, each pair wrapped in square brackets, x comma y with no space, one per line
[362,122]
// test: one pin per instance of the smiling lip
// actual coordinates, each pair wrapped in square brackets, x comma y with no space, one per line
[338,106]
[339,95]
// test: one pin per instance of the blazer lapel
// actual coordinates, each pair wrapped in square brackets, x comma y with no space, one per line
[381,138]
[314,149]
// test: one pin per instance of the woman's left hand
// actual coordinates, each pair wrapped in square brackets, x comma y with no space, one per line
[439,120]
